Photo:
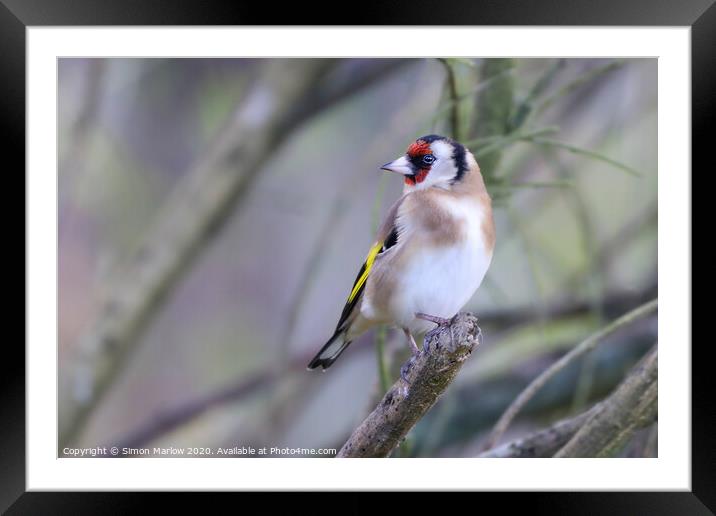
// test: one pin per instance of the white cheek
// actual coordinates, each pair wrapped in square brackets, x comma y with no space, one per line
[441,172]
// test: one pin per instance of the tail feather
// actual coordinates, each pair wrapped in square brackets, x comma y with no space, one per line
[330,352]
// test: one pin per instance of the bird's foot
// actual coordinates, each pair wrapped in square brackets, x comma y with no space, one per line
[440,321]
[414,350]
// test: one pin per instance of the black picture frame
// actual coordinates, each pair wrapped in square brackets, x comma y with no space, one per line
[700,15]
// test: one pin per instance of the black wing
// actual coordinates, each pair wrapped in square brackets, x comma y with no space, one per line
[361,278]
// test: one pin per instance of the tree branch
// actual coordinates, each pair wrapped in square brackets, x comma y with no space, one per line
[549,373]
[633,405]
[543,443]
[600,431]
[403,406]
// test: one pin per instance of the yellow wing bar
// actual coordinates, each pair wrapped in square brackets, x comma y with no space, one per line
[366,269]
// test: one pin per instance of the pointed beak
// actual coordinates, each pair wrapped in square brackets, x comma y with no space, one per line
[400,165]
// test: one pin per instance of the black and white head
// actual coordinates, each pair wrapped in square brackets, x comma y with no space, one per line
[432,161]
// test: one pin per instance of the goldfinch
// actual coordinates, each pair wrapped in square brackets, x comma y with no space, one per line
[432,250]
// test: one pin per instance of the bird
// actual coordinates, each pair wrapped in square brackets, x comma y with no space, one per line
[432,250]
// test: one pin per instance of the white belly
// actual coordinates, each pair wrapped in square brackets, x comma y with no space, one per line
[440,281]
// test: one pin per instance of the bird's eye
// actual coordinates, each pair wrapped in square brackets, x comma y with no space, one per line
[428,159]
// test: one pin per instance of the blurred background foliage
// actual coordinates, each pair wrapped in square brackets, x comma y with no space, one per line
[568,149]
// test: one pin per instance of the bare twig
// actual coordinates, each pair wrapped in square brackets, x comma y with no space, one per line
[583,152]
[633,405]
[539,382]
[403,406]
[543,443]
[491,144]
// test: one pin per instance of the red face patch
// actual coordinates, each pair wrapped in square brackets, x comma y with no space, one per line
[417,178]
[418,149]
